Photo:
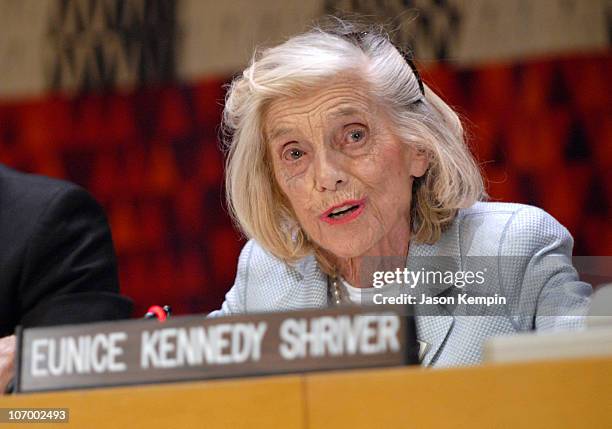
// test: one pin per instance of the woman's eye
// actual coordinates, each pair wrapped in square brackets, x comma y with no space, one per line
[355,136]
[293,154]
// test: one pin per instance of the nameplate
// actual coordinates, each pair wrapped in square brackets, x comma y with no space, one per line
[193,347]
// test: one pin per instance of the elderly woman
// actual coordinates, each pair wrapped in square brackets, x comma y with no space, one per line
[341,162]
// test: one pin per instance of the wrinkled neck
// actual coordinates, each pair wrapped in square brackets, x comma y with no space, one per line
[388,254]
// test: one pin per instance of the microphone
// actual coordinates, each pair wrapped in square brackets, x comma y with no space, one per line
[159,313]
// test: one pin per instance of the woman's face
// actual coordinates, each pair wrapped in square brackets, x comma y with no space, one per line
[344,172]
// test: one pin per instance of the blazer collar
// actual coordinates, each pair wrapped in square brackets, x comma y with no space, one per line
[311,290]
[434,323]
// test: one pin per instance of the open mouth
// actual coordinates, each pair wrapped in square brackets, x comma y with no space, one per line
[344,212]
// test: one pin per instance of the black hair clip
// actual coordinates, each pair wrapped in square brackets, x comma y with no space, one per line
[358,36]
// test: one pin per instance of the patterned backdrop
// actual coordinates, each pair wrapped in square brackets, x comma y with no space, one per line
[117,95]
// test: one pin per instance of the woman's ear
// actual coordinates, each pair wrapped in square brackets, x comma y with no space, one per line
[419,162]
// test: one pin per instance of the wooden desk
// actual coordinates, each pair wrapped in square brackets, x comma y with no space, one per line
[562,394]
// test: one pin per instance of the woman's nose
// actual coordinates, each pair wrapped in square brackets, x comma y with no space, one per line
[329,174]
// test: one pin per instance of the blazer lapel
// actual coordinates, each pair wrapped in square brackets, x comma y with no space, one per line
[311,290]
[433,330]
[434,322]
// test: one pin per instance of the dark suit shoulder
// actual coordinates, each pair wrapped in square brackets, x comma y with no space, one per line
[25,200]
[30,193]
[56,254]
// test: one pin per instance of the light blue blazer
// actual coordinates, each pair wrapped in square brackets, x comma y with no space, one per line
[541,285]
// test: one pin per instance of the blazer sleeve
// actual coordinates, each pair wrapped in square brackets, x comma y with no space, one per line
[549,295]
[235,299]
[70,272]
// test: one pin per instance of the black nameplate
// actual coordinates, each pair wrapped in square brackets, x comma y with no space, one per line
[192,347]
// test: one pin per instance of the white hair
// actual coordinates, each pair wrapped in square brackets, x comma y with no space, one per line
[308,60]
